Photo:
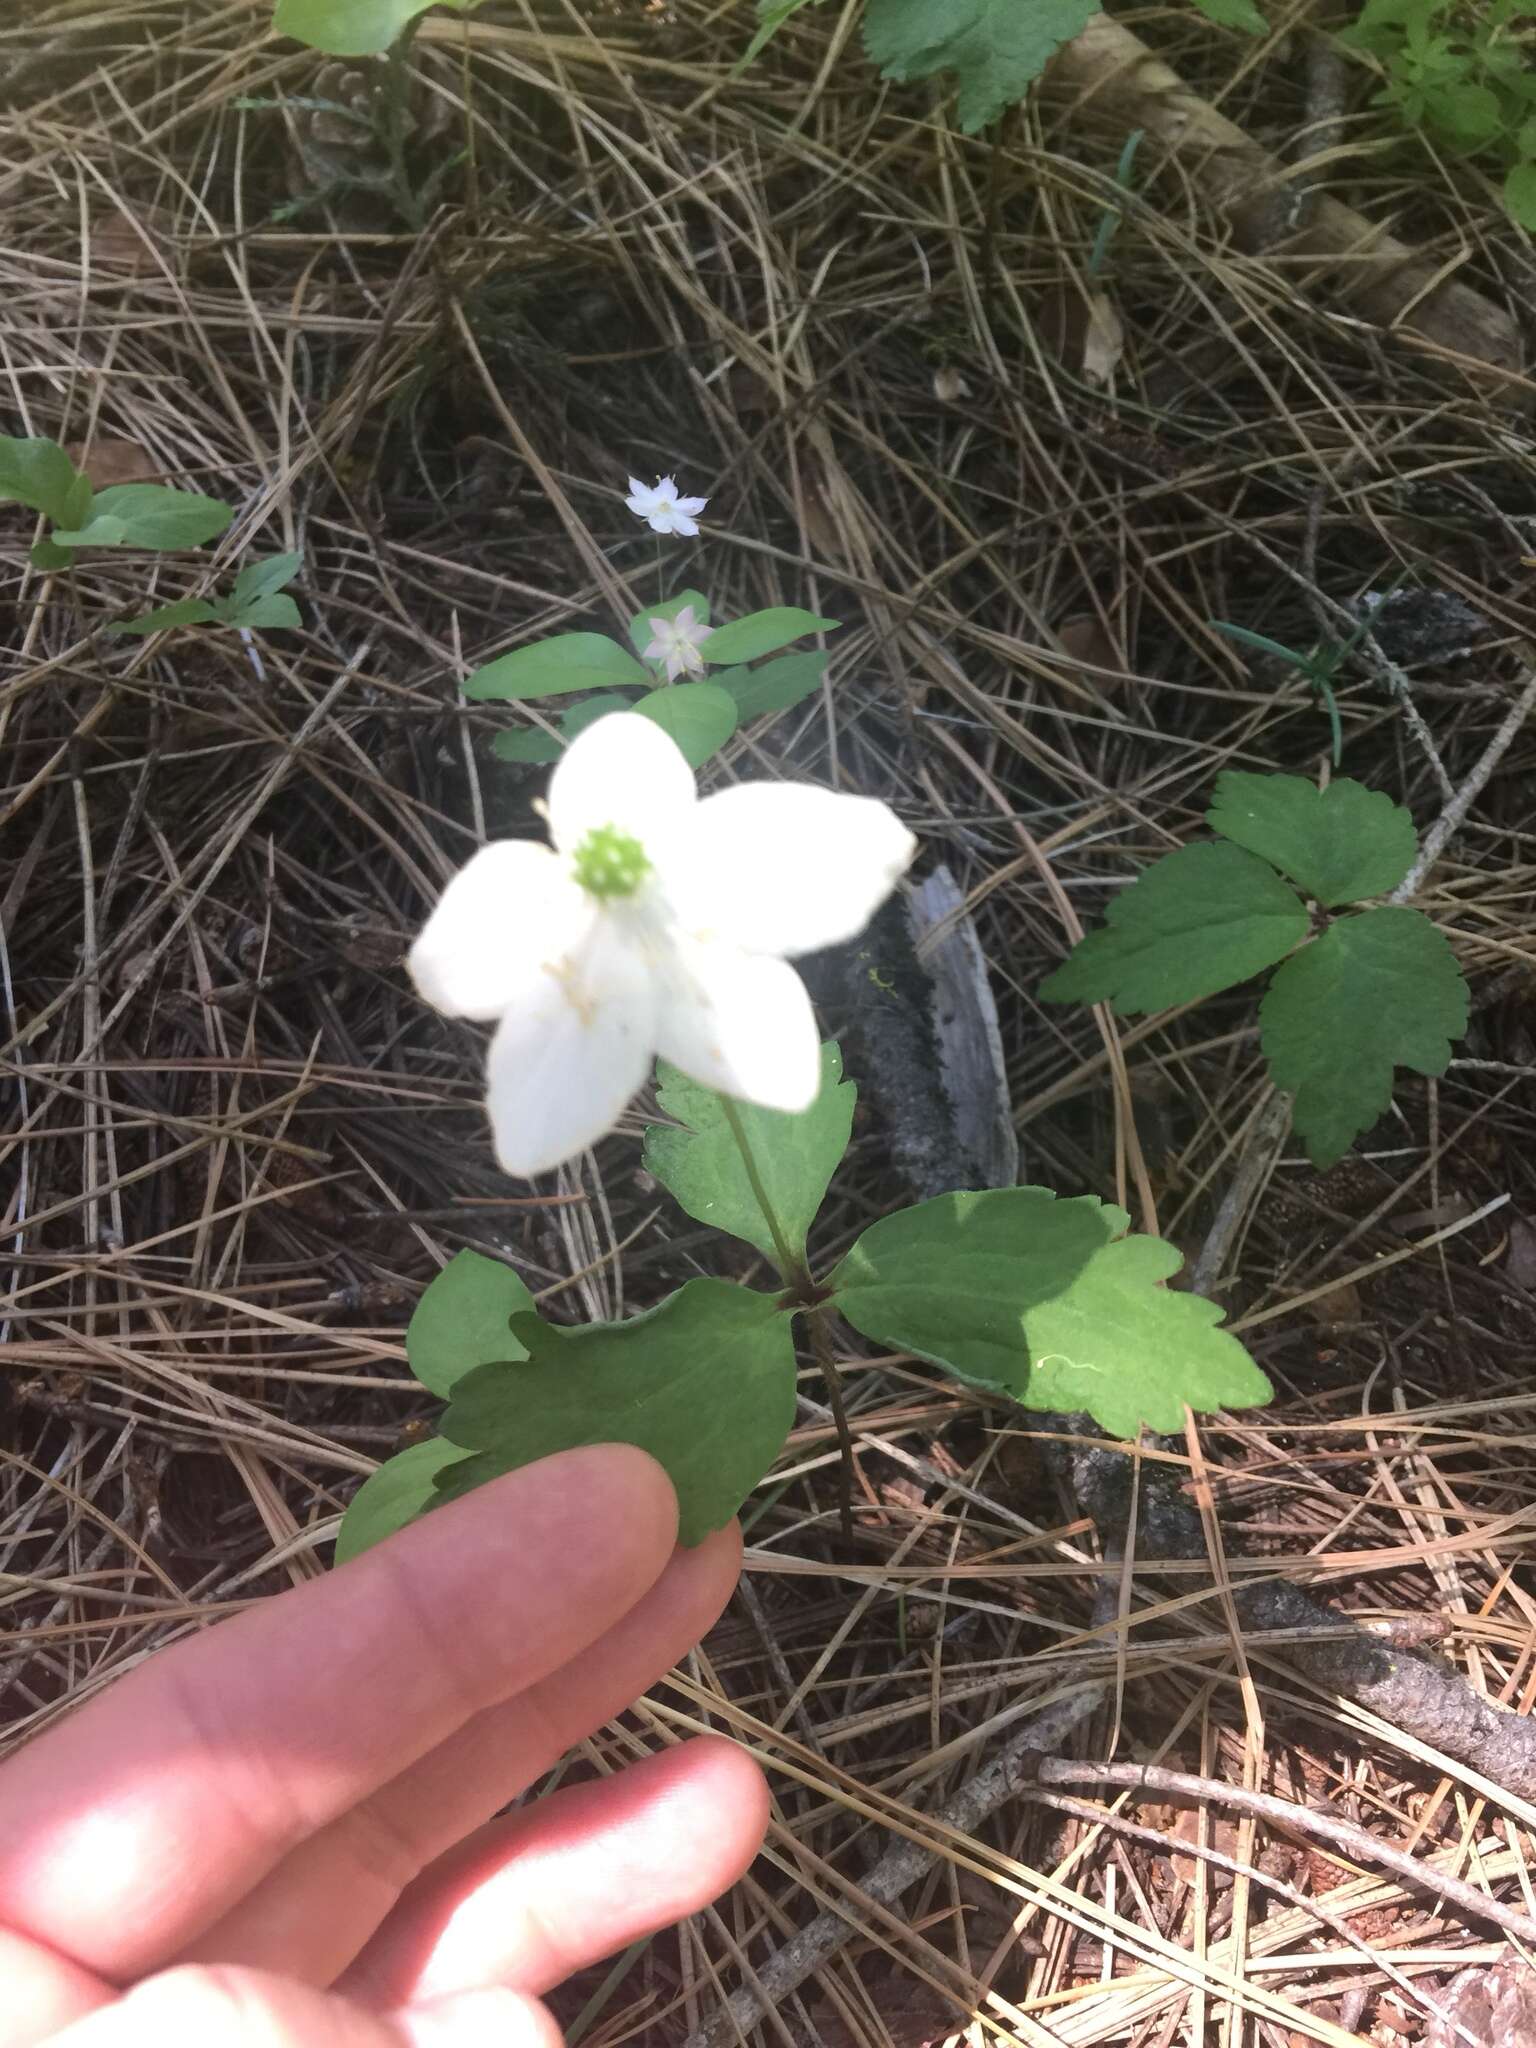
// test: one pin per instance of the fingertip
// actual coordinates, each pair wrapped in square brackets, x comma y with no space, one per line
[493,2018]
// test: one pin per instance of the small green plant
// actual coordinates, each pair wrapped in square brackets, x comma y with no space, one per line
[352,28]
[256,601]
[1462,73]
[1355,995]
[1011,1289]
[38,474]
[668,640]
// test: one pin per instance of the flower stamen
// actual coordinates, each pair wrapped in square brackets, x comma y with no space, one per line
[608,863]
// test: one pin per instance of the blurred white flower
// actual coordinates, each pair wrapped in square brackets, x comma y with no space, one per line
[662,509]
[657,923]
[677,643]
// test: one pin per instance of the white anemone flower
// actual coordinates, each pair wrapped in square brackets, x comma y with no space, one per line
[658,922]
[677,643]
[662,509]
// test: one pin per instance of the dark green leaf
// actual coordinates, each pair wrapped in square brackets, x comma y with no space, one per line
[590,710]
[156,516]
[47,554]
[775,686]
[463,1319]
[796,1155]
[1338,844]
[261,579]
[699,716]
[1377,991]
[1520,194]
[186,611]
[640,630]
[996,48]
[1198,921]
[762,632]
[266,614]
[1042,1298]
[394,1496]
[569,661]
[38,474]
[527,745]
[705,1383]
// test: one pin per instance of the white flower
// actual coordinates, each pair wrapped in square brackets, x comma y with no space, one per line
[662,509]
[657,923]
[677,643]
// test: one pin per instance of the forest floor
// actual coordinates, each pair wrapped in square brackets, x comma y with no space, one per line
[1028,431]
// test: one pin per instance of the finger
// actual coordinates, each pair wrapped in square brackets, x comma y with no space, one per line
[41,1992]
[312,1913]
[227,2008]
[530,1900]
[143,1819]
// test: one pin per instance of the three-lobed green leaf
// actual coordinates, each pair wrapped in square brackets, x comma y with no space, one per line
[1044,1299]
[1377,991]
[464,1319]
[705,1382]
[996,48]
[1339,844]
[1197,921]
[796,1155]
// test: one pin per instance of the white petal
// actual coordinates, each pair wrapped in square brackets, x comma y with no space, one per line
[568,1057]
[740,1023]
[679,522]
[641,499]
[661,521]
[784,867]
[691,506]
[623,771]
[500,924]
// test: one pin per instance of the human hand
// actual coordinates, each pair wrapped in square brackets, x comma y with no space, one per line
[281,1832]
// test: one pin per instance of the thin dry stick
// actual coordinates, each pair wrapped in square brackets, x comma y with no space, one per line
[1303,1820]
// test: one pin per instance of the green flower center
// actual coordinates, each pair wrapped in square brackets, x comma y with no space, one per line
[609,863]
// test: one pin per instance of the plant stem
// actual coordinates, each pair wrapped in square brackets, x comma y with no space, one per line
[821,1344]
[792,1270]
[395,106]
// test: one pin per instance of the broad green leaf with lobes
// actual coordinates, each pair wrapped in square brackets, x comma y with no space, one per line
[1338,843]
[568,661]
[1016,1289]
[699,716]
[996,48]
[38,474]
[1377,991]
[463,1319]
[761,633]
[351,28]
[1196,921]
[705,1382]
[796,1155]
[402,1488]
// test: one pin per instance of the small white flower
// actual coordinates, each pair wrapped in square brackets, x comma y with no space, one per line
[657,923]
[662,509]
[677,643]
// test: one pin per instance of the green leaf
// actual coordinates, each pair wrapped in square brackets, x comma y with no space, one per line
[463,1320]
[772,15]
[186,611]
[796,1154]
[1338,844]
[700,716]
[1375,991]
[38,474]
[528,746]
[261,579]
[1520,194]
[101,530]
[705,1382]
[640,625]
[156,516]
[351,28]
[1239,14]
[1197,921]
[1014,1289]
[997,48]
[264,614]
[761,632]
[47,554]
[775,686]
[589,711]
[394,1496]
[1471,113]
[569,661]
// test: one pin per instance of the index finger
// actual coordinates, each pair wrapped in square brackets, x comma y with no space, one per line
[144,1817]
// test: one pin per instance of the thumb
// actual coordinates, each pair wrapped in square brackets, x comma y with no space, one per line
[221,2007]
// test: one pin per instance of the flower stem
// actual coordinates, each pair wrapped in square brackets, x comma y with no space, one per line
[791,1269]
[821,1344]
